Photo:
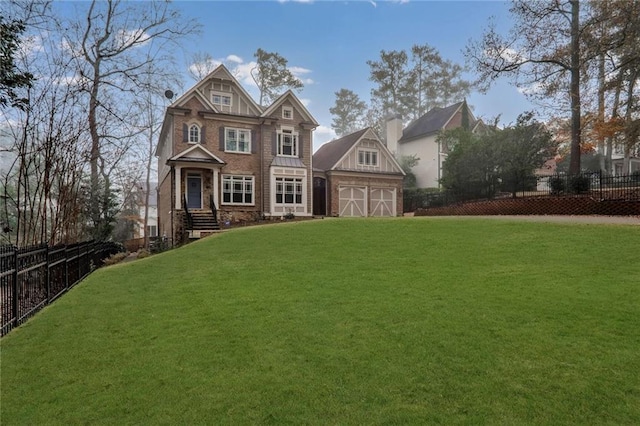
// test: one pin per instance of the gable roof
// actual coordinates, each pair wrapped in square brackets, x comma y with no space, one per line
[294,99]
[432,122]
[220,72]
[197,153]
[329,154]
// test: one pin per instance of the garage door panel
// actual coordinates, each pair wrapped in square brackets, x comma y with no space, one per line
[353,201]
[383,202]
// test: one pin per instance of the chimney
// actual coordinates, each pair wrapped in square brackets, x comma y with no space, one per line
[394,132]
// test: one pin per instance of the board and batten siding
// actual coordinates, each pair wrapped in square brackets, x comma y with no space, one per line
[385,163]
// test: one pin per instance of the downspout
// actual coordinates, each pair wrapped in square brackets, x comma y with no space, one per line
[172,205]
[262,169]
[438,156]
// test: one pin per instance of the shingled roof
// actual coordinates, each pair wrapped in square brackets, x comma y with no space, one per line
[331,152]
[432,122]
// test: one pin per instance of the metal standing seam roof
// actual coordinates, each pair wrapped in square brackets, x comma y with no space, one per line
[331,152]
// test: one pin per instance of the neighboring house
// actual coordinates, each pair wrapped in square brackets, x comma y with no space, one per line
[223,157]
[419,138]
[618,161]
[356,175]
[152,220]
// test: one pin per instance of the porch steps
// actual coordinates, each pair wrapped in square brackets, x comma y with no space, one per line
[204,220]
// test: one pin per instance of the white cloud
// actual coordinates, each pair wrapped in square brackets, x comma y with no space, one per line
[373,3]
[305,102]
[128,37]
[234,58]
[298,72]
[531,89]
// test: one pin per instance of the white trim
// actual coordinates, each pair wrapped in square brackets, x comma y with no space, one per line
[295,147]
[186,188]
[351,201]
[222,95]
[184,153]
[299,106]
[189,127]
[251,178]
[238,131]
[289,110]
[366,151]
[298,209]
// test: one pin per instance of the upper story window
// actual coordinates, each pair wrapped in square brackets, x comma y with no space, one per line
[221,99]
[288,143]
[194,133]
[368,158]
[287,113]
[237,140]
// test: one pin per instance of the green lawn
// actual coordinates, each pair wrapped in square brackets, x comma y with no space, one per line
[410,321]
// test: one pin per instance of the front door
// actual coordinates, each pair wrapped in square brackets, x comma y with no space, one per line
[194,191]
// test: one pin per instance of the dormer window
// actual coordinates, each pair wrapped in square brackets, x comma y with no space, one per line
[194,133]
[288,143]
[287,113]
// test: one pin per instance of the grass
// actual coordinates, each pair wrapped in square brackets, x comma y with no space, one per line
[345,322]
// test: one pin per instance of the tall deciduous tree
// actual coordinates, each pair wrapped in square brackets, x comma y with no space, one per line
[541,50]
[272,76]
[348,112]
[118,43]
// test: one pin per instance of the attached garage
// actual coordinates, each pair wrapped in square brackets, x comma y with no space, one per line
[353,201]
[361,176]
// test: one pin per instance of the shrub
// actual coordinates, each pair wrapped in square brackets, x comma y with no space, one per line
[579,184]
[556,185]
[115,258]
[142,253]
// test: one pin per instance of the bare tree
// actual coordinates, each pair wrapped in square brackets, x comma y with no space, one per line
[116,44]
[542,51]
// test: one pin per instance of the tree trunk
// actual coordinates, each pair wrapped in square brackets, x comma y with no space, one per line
[574,165]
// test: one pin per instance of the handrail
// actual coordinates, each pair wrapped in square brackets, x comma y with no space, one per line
[188,213]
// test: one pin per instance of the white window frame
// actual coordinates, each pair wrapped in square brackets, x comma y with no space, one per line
[198,137]
[153,228]
[229,183]
[247,140]
[222,97]
[287,113]
[293,186]
[366,157]
[282,133]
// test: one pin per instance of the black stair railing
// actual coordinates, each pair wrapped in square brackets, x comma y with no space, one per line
[214,210]
[187,213]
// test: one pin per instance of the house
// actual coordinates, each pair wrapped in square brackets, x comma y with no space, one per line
[419,138]
[622,167]
[224,158]
[356,175]
[152,219]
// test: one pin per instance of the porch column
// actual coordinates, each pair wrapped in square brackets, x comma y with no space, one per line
[215,188]
[178,188]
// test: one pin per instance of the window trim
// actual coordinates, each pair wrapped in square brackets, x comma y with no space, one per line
[222,95]
[244,179]
[295,148]
[364,162]
[297,190]
[286,109]
[196,126]
[237,141]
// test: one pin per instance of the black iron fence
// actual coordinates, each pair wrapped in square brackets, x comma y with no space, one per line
[595,185]
[33,277]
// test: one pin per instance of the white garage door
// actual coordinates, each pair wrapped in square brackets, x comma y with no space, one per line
[353,201]
[383,202]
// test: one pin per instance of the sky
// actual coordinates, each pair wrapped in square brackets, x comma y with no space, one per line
[328,43]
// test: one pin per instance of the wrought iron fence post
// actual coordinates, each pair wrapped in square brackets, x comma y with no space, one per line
[48,277]
[66,267]
[16,294]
